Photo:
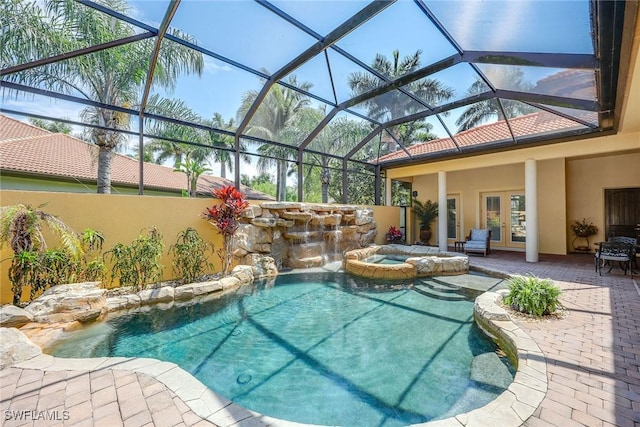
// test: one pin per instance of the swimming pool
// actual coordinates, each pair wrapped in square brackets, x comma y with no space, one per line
[319,348]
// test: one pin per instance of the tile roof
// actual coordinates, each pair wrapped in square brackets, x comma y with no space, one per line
[28,149]
[528,125]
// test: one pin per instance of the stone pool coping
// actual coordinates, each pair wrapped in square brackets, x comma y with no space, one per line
[511,408]
[422,261]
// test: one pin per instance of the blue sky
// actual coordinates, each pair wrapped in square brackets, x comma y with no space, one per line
[246,32]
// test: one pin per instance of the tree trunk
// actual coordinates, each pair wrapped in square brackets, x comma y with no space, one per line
[283,180]
[104,170]
[223,168]
[325,179]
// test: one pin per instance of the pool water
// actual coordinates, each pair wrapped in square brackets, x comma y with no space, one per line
[325,349]
[386,259]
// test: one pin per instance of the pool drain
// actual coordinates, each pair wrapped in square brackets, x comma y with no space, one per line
[236,332]
[244,378]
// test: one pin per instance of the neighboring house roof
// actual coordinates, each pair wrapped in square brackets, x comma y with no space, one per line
[30,150]
[538,123]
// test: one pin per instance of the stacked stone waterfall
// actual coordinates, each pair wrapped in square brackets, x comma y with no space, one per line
[302,235]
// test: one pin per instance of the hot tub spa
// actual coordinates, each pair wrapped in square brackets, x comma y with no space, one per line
[407,262]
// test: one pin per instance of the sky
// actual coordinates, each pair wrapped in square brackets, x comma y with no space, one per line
[247,33]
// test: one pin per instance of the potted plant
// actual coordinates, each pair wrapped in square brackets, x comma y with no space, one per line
[394,235]
[584,229]
[426,213]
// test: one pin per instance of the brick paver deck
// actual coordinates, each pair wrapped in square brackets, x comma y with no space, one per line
[592,355]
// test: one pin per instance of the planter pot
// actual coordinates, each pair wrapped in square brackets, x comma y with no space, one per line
[425,235]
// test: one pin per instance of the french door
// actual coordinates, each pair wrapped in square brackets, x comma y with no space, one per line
[453,219]
[504,214]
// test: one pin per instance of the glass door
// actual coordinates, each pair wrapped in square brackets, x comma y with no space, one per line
[504,214]
[453,219]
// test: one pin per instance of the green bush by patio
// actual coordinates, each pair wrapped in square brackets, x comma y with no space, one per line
[533,295]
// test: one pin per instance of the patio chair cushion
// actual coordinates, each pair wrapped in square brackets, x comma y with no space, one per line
[615,251]
[478,241]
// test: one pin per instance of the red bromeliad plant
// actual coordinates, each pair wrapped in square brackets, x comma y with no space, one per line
[226,218]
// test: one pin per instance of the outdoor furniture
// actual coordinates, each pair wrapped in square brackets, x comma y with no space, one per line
[610,252]
[458,245]
[631,241]
[479,241]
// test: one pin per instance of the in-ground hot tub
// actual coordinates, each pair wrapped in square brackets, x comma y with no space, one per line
[401,262]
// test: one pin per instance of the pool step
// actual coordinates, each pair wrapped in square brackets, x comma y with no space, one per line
[439,285]
[438,291]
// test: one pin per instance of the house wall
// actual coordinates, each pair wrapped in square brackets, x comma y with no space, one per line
[121,218]
[587,178]
[24,183]
[470,184]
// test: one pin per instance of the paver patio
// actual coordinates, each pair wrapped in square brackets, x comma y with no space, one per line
[592,355]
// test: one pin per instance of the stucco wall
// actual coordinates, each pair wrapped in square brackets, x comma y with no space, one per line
[121,218]
[470,184]
[587,179]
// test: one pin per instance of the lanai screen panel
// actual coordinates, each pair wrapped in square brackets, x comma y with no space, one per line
[469,72]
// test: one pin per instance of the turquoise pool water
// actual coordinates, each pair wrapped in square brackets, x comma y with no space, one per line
[319,348]
[386,259]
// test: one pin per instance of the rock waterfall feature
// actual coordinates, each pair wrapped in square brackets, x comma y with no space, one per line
[302,235]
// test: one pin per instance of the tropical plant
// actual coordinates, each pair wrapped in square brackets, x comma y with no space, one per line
[484,111]
[138,264]
[395,104]
[111,76]
[21,227]
[192,169]
[190,259]
[425,212]
[393,235]
[276,120]
[92,266]
[167,145]
[225,217]
[533,295]
[51,125]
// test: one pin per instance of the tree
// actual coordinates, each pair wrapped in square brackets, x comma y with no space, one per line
[193,169]
[21,227]
[394,105]
[221,143]
[275,120]
[112,76]
[51,125]
[484,111]
[166,146]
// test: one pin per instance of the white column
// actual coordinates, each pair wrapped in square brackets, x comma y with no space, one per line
[531,209]
[442,210]
[387,191]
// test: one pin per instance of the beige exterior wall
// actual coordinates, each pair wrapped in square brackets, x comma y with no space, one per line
[469,185]
[121,218]
[568,188]
[587,178]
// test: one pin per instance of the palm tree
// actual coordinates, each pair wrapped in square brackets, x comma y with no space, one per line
[113,76]
[168,148]
[276,120]
[394,105]
[193,169]
[21,227]
[219,141]
[484,111]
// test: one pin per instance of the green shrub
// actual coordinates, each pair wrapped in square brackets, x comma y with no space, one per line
[190,255]
[138,264]
[533,295]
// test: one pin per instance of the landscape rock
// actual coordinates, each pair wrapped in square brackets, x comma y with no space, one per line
[15,347]
[66,303]
[14,317]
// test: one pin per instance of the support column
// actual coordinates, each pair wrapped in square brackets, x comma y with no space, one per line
[387,191]
[442,211]
[531,209]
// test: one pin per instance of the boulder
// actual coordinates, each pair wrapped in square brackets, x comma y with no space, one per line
[248,236]
[153,296]
[67,303]
[364,216]
[14,317]
[261,265]
[15,347]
